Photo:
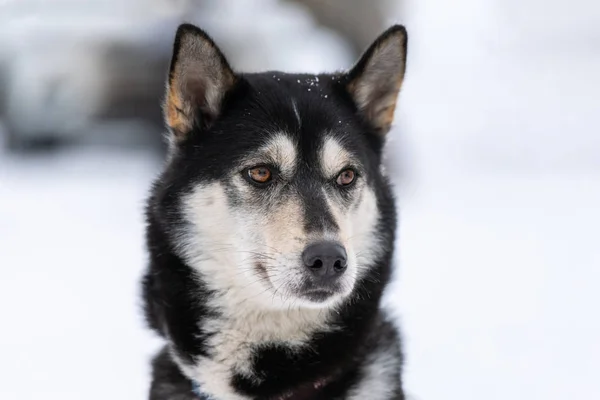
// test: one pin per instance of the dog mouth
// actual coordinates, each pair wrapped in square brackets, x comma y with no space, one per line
[316,290]
[320,292]
[318,295]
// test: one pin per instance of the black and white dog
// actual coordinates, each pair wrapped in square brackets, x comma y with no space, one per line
[271,230]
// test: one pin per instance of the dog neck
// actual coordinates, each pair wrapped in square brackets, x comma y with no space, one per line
[293,325]
[304,391]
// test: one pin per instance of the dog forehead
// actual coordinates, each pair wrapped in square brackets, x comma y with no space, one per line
[277,118]
[298,101]
[326,152]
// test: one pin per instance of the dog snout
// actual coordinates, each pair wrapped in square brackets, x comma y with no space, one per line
[325,260]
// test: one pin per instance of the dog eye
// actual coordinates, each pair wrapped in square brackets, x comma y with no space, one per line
[346,177]
[260,174]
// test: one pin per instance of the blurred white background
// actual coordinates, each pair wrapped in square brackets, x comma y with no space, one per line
[498,135]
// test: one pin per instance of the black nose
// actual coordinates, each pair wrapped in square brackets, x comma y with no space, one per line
[325,259]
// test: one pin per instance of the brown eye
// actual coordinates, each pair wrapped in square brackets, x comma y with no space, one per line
[346,177]
[260,174]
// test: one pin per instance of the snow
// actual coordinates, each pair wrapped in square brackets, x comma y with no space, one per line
[499,248]
[498,287]
[71,254]
[500,229]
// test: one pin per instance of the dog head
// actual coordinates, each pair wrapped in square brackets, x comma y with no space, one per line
[273,191]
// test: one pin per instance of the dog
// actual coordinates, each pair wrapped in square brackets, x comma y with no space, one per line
[271,230]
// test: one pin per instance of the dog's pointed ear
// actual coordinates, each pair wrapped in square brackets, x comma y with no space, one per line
[199,78]
[375,81]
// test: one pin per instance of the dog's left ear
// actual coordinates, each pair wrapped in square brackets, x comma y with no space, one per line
[199,78]
[375,81]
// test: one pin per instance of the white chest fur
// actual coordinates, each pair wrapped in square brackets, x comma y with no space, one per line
[235,335]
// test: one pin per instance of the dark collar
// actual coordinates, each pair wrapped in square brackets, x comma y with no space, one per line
[305,391]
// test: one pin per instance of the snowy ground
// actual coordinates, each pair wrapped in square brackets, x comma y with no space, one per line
[71,256]
[499,246]
[500,237]
[499,287]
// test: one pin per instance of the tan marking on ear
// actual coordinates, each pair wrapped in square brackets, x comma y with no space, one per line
[381,64]
[388,114]
[176,113]
[198,79]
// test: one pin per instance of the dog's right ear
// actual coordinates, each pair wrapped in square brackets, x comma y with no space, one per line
[199,78]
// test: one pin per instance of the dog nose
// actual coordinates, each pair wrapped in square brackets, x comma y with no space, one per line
[325,259]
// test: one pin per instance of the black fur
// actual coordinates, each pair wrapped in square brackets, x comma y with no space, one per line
[175,298]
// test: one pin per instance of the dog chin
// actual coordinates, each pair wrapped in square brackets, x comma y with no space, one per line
[318,298]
